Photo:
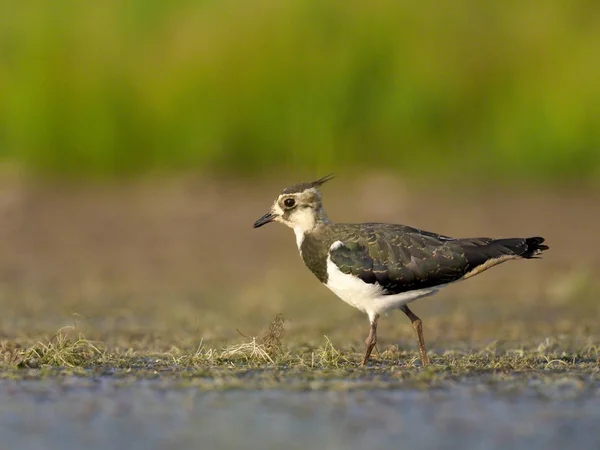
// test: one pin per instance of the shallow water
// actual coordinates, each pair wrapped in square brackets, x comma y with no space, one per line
[110,413]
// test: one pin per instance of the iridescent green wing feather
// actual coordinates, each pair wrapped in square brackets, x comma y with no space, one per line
[401,258]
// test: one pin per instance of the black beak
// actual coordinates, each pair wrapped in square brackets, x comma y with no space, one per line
[268,217]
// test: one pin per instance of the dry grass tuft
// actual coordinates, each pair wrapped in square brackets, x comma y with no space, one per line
[249,352]
[63,350]
[271,339]
[265,348]
[11,354]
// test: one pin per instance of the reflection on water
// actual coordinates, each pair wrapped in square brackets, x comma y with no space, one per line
[106,413]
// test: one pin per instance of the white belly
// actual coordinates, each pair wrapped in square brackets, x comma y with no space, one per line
[369,298]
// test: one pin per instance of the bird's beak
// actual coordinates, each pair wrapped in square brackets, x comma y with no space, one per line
[268,217]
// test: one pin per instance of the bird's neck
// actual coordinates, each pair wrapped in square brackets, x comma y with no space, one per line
[318,221]
[321,218]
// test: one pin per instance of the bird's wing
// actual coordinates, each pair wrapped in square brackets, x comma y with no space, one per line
[401,258]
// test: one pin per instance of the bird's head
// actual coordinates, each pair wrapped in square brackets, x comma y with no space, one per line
[299,207]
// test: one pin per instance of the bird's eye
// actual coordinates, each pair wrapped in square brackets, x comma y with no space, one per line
[289,202]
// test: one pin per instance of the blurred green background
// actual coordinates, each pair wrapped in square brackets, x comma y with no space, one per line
[507,90]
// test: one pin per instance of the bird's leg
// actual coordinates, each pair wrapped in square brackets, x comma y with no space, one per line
[418,327]
[371,339]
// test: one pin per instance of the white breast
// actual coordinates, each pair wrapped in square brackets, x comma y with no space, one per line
[299,232]
[367,297]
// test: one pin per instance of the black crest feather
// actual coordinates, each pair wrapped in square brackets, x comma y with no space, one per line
[320,181]
[304,186]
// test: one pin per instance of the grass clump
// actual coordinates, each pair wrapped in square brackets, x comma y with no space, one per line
[328,356]
[264,349]
[250,352]
[271,339]
[62,350]
[11,354]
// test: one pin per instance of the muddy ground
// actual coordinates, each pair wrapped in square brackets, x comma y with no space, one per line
[162,285]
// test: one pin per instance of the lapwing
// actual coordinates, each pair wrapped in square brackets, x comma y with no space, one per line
[378,267]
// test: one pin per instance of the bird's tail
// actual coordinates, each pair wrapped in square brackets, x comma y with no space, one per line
[483,253]
[525,248]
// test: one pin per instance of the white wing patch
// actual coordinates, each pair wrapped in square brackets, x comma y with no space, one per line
[335,246]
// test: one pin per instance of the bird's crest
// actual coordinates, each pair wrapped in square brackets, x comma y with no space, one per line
[304,186]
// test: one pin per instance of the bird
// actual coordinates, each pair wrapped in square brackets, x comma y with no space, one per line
[379,267]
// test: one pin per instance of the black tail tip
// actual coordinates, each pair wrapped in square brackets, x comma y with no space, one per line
[535,246]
